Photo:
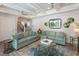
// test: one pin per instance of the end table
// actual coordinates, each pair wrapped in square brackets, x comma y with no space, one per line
[8,46]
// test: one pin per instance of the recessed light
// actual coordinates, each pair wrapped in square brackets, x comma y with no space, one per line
[48,8]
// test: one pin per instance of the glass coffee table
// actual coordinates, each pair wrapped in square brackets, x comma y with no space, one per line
[46,43]
[46,47]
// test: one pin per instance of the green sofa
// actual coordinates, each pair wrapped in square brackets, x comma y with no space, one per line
[23,39]
[58,37]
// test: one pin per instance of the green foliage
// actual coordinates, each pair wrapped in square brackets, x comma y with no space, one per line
[45,24]
[69,21]
[66,25]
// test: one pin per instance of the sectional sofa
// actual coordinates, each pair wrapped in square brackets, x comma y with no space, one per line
[23,39]
[57,37]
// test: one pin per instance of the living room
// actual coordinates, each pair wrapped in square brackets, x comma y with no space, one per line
[24,26]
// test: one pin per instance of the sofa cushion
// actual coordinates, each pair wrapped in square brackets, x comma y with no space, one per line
[14,44]
[60,40]
[60,34]
[29,33]
[33,33]
[18,36]
[51,33]
[43,32]
[22,44]
[26,34]
[47,33]
[42,37]
[26,39]
[51,37]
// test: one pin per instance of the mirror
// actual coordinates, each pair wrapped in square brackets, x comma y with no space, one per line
[55,23]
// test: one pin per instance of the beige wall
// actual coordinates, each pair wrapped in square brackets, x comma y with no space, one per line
[7,26]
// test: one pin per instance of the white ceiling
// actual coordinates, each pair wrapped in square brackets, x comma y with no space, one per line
[33,9]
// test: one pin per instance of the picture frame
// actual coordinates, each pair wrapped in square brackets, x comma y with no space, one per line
[55,23]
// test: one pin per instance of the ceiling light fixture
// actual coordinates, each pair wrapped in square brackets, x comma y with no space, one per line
[49,3]
[49,6]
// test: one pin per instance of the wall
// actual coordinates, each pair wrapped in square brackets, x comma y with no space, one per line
[7,26]
[39,21]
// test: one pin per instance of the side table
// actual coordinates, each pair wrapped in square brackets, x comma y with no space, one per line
[8,46]
[72,39]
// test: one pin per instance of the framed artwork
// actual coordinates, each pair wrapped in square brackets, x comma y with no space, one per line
[55,23]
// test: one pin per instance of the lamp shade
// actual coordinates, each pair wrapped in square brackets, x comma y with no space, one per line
[23,23]
[76,30]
